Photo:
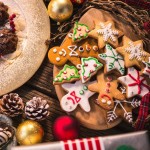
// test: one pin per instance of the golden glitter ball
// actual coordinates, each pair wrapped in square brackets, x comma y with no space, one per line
[60,10]
[29,132]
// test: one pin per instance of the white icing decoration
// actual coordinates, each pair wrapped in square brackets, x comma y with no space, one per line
[64,51]
[60,53]
[107,32]
[81,49]
[113,60]
[70,35]
[123,90]
[95,48]
[72,48]
[109,102]
[69,102]
[57,58]
[103,101]
[133,90]
[135,51]
[55,50]
[147,68]
[111,115]
[87,48]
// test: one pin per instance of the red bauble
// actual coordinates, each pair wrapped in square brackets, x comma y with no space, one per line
[65,128]
[77,1]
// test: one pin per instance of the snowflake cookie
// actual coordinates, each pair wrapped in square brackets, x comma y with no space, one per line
[67,74]
[113,60]
[135,84]
[72,52]
[89,67]
[106,32]
[133,52]
[123,109]
[107,89]
[78,94]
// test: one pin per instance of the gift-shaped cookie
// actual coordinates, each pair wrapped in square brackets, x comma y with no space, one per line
[105,32]
[112,60]
[133,52]
[72,52]
[78,94]
[135,84]
[89,67]
[67,74]
[106,86]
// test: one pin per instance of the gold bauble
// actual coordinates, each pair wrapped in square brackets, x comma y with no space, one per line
[29,132]
[60,10]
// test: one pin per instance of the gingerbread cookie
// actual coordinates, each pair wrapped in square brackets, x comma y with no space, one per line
[67,74]
[122,109]
[146,70]
[80,32]
[72,52]
[78,94]
[113,60]
[106,32]
[133,52]
[107,89]
[89,67]
[135,84]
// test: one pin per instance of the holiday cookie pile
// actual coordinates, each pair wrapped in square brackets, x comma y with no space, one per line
[102,62]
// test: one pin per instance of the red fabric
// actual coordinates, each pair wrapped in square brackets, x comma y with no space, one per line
[139,3]
[147,26]
[143,112]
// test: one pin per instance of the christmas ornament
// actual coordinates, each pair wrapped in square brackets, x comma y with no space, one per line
[11,105]
[37,109]
[60,10]
[6,134]
[65,128]
[29,132]
[77,1]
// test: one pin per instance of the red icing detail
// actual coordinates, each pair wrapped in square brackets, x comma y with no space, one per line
[95,65]
[85,77]
[74,99]
[148,71]
[138,82]
[91,71]
[79,29]
[108,84]
[107,91]
[85,64]
[65,72]
[109,78]
[104,95]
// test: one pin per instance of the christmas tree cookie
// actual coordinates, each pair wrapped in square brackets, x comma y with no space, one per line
[89,67]
[135,84]
[80,32]
[106,32]
[113,60]
[106,86]
[122,109]
[133,52]
[67,74]
[147,68]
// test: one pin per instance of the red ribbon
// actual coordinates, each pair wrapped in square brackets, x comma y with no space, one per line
[75,99]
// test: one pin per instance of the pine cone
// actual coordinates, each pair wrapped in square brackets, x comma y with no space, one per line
[37,109]
[11,105]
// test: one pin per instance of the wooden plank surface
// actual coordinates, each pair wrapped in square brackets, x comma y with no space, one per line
[41,85]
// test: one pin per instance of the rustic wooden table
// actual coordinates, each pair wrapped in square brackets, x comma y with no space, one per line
[41,84]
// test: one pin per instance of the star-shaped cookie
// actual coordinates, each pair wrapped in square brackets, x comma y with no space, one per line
[78,94]
[135,84]
[133,52]
[113,60]
[107,89]
[105,32]
[123,109]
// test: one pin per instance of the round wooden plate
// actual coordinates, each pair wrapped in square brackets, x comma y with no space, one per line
[33,49]
[96,118]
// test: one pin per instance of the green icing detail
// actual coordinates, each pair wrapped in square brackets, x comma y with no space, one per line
[75,76]
[88,59]
[81,92]
[115,57]
[125,147]
[85,87]
[75,30]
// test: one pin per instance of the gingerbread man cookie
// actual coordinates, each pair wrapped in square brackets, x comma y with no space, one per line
[67,74]
[78,94]
[135,84]
[123,109]
[105,32]
[133,52]
[80,32]
[113,60]
[89,67]
[72,52]
[107,89]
